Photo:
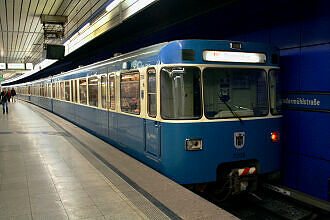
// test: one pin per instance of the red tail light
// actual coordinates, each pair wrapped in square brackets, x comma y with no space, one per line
[275,136]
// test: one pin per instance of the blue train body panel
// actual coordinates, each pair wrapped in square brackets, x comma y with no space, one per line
[161,143]
[46,103]
[218,147]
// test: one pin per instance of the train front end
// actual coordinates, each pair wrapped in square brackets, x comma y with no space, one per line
[221,116]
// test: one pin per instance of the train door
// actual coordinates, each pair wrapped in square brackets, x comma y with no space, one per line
[152,126]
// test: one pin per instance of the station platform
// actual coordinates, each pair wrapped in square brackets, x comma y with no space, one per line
[52,169]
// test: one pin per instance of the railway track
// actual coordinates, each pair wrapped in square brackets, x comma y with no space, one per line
[267,204]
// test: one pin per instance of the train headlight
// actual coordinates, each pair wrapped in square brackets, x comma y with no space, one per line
[275,136]
[194,144]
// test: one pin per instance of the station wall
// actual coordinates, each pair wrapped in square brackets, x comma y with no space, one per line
[305,66]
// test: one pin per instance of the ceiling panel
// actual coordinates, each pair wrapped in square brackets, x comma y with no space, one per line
[21,31]
[23,13]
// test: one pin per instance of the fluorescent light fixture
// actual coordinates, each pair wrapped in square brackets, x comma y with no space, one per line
[29,66]
[16,66]
[83,28]
[2,66]
[112,5]
[235,57]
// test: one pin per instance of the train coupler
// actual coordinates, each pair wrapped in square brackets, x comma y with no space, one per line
[243,179]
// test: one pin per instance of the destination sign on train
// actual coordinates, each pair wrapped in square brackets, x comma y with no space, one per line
[236,57]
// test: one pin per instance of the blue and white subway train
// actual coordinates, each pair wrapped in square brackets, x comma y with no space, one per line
[197,111]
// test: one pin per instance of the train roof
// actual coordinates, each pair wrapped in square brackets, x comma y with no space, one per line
[179,51]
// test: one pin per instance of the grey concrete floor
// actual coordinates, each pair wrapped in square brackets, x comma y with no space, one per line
[43,177]
[52,169]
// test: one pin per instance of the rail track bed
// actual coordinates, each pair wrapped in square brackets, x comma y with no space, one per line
[266,204]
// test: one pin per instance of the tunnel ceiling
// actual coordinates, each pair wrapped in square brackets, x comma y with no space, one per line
[172,20]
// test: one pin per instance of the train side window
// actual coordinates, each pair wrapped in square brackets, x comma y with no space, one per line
[67,90]
[62,90]
[55,88]
[76,90]
[83,91]
[45,90]
[93,91]
[130,92]
[152,95]
[112,92]
[104,91]
[49,90]
[53,91]
[72,90]
[58,91]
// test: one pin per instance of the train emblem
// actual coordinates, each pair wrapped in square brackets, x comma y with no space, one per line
[239,139]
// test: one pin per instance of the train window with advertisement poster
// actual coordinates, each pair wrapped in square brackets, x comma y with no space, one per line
[130,92]
[275,92]
[152,95]
[181,93]
[67,90]
[83,91]
[93,91]
[112,91]
[104,91]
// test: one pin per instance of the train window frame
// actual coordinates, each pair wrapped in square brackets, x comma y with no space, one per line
[112,76]
[50,90]
[271,93]
[77,95]
[53,90]
[104,97]
[136,103]
[57,90]
[62,90]
[72,90]
[66,93]
[151,93]
[200,92]
[83,78]
[45,90]
[89,91]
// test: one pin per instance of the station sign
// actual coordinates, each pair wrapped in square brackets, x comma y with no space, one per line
[313,101]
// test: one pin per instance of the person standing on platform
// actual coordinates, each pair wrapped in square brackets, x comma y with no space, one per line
[9,95]
[4,100]
[13,94]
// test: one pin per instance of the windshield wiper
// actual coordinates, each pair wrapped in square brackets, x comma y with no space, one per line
[224,99]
